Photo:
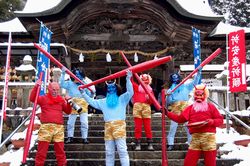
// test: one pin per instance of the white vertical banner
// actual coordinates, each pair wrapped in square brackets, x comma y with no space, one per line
[6,82]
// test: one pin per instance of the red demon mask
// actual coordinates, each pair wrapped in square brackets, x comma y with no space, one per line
[146,78]
[200,93]
[54,89]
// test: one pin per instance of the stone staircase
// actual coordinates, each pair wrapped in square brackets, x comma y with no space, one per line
[93,154]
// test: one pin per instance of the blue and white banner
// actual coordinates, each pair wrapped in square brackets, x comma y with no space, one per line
[42,60]
[197,48]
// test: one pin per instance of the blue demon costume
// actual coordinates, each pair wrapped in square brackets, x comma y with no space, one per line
[72,89]
[177,101]
[113,107]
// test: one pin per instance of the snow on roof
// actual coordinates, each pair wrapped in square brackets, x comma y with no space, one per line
[24,67]
[205,68]
[18,84]
[27,58]
[35,6]
[32,44]
[12,26]
[223,28]
[224,73]
[210,68]
[29,44]
[31,6]
[221,75]
[220,68]
[203,9]
[222,88]
[198,7]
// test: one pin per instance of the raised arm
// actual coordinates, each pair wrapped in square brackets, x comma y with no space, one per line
[129,86]
[195,80]
[63,84]
[33,92]
[87,80]
[93,102]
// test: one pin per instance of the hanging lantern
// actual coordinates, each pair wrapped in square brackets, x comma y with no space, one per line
[81,58]
[108,57]
[135,57]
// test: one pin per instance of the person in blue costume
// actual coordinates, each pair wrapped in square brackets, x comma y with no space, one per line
[71,87]
[177,101]
[113,107]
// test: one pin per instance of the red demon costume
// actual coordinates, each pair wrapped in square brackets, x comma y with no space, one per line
[142,111]
[203,118]
[51,130]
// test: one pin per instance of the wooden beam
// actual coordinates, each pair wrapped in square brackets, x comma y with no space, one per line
[115,37]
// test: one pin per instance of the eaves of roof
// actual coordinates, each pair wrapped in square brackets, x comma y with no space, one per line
[57,9]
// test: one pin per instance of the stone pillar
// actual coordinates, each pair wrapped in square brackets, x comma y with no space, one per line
[242,102]
[9,97]
[248,93]
[214,95]
[231,102]
[222,99]
[25,103]
[13,101]
[19,97]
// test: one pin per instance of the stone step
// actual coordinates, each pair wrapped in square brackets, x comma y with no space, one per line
[100,133]
[128,123]
[101,147]
[132,154]
[154,127]
[129,139]
[101,154]
[93,154]
[133,162]
[128,117]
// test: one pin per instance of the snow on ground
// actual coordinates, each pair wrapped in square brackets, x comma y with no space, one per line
[15,156]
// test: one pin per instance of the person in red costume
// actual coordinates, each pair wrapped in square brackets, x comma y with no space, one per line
[142,111]
[52,129]
[202,118]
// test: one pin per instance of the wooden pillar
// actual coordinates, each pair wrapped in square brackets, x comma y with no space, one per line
[68,62]
[168,71]
[164,76]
